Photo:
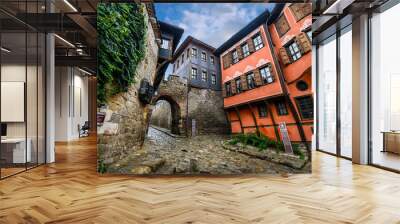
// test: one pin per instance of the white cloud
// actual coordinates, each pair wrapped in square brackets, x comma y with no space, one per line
[215,23]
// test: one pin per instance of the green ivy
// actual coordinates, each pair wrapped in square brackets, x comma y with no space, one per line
[121,46]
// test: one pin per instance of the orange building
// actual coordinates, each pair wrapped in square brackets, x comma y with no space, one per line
[266,74]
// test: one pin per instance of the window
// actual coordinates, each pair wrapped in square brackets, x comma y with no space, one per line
[213,79]
[212,60]
[266,75]
[194,52]
[238,85]
[203,56]
[294,51]
[327,95]
[262,110]
[300,10]
[228,89]
[187,53]
[204,76]
[257,41]
[235,57]
[183,58]
[251,82]
[306,106]
[245,49]
[282,25]
[194,73]
[281,108]
[302,85]
[173,68]
[177,64]
[165,43]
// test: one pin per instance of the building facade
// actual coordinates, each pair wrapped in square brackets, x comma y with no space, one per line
[195,61]
[193,93]
[266,74]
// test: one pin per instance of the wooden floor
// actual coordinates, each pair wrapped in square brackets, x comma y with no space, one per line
[70,191]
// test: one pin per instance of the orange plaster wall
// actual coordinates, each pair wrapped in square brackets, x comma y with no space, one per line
[300,69]
[308,131]
[251,60]
[296,69]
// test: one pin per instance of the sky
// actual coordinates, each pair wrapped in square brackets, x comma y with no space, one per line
[212,23]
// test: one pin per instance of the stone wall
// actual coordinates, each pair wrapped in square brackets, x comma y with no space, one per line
[161,115]
[206,108]
[174,90]
[125,124]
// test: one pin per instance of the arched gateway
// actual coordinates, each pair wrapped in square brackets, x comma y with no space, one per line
[174,91]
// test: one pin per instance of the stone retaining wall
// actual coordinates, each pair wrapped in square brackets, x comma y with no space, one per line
[126,118]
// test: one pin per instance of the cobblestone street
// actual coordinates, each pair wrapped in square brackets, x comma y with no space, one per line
[163,153]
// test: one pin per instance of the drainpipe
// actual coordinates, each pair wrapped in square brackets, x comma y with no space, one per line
[284,87]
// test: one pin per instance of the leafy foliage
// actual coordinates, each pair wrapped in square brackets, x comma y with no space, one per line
[262,142]
[121,46]
[101,167]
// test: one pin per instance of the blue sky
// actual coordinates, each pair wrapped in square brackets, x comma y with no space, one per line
[212,23]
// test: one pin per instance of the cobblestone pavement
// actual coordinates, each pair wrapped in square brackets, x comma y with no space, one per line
[165,154]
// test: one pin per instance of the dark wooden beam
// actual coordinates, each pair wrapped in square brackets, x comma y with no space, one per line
[278,137]
[240,120]
[254,118]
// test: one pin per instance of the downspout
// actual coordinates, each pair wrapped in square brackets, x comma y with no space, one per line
[284,87]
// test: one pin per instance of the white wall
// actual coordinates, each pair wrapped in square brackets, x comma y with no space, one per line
[71,102]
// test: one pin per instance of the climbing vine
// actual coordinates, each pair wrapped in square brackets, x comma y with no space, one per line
[121,46]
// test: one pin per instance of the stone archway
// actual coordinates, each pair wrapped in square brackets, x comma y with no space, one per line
[175,113]
[175,92]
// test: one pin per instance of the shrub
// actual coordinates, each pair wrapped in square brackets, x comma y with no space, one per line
[297,151]
[262,142]
[101,167]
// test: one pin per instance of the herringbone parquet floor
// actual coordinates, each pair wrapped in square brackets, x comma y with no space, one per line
[70,191]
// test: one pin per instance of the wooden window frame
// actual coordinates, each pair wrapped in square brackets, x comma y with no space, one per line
[204,74]
[260,44]
[235,59]
[269,67]
[194,74]
[296,99]
[194,52]
[238,87]
[262,113]
[228,88]
[293,54]
[249,86]
[279,110]
[203,53]
[162,43]
[212,60]
[213,79]
[245,49]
